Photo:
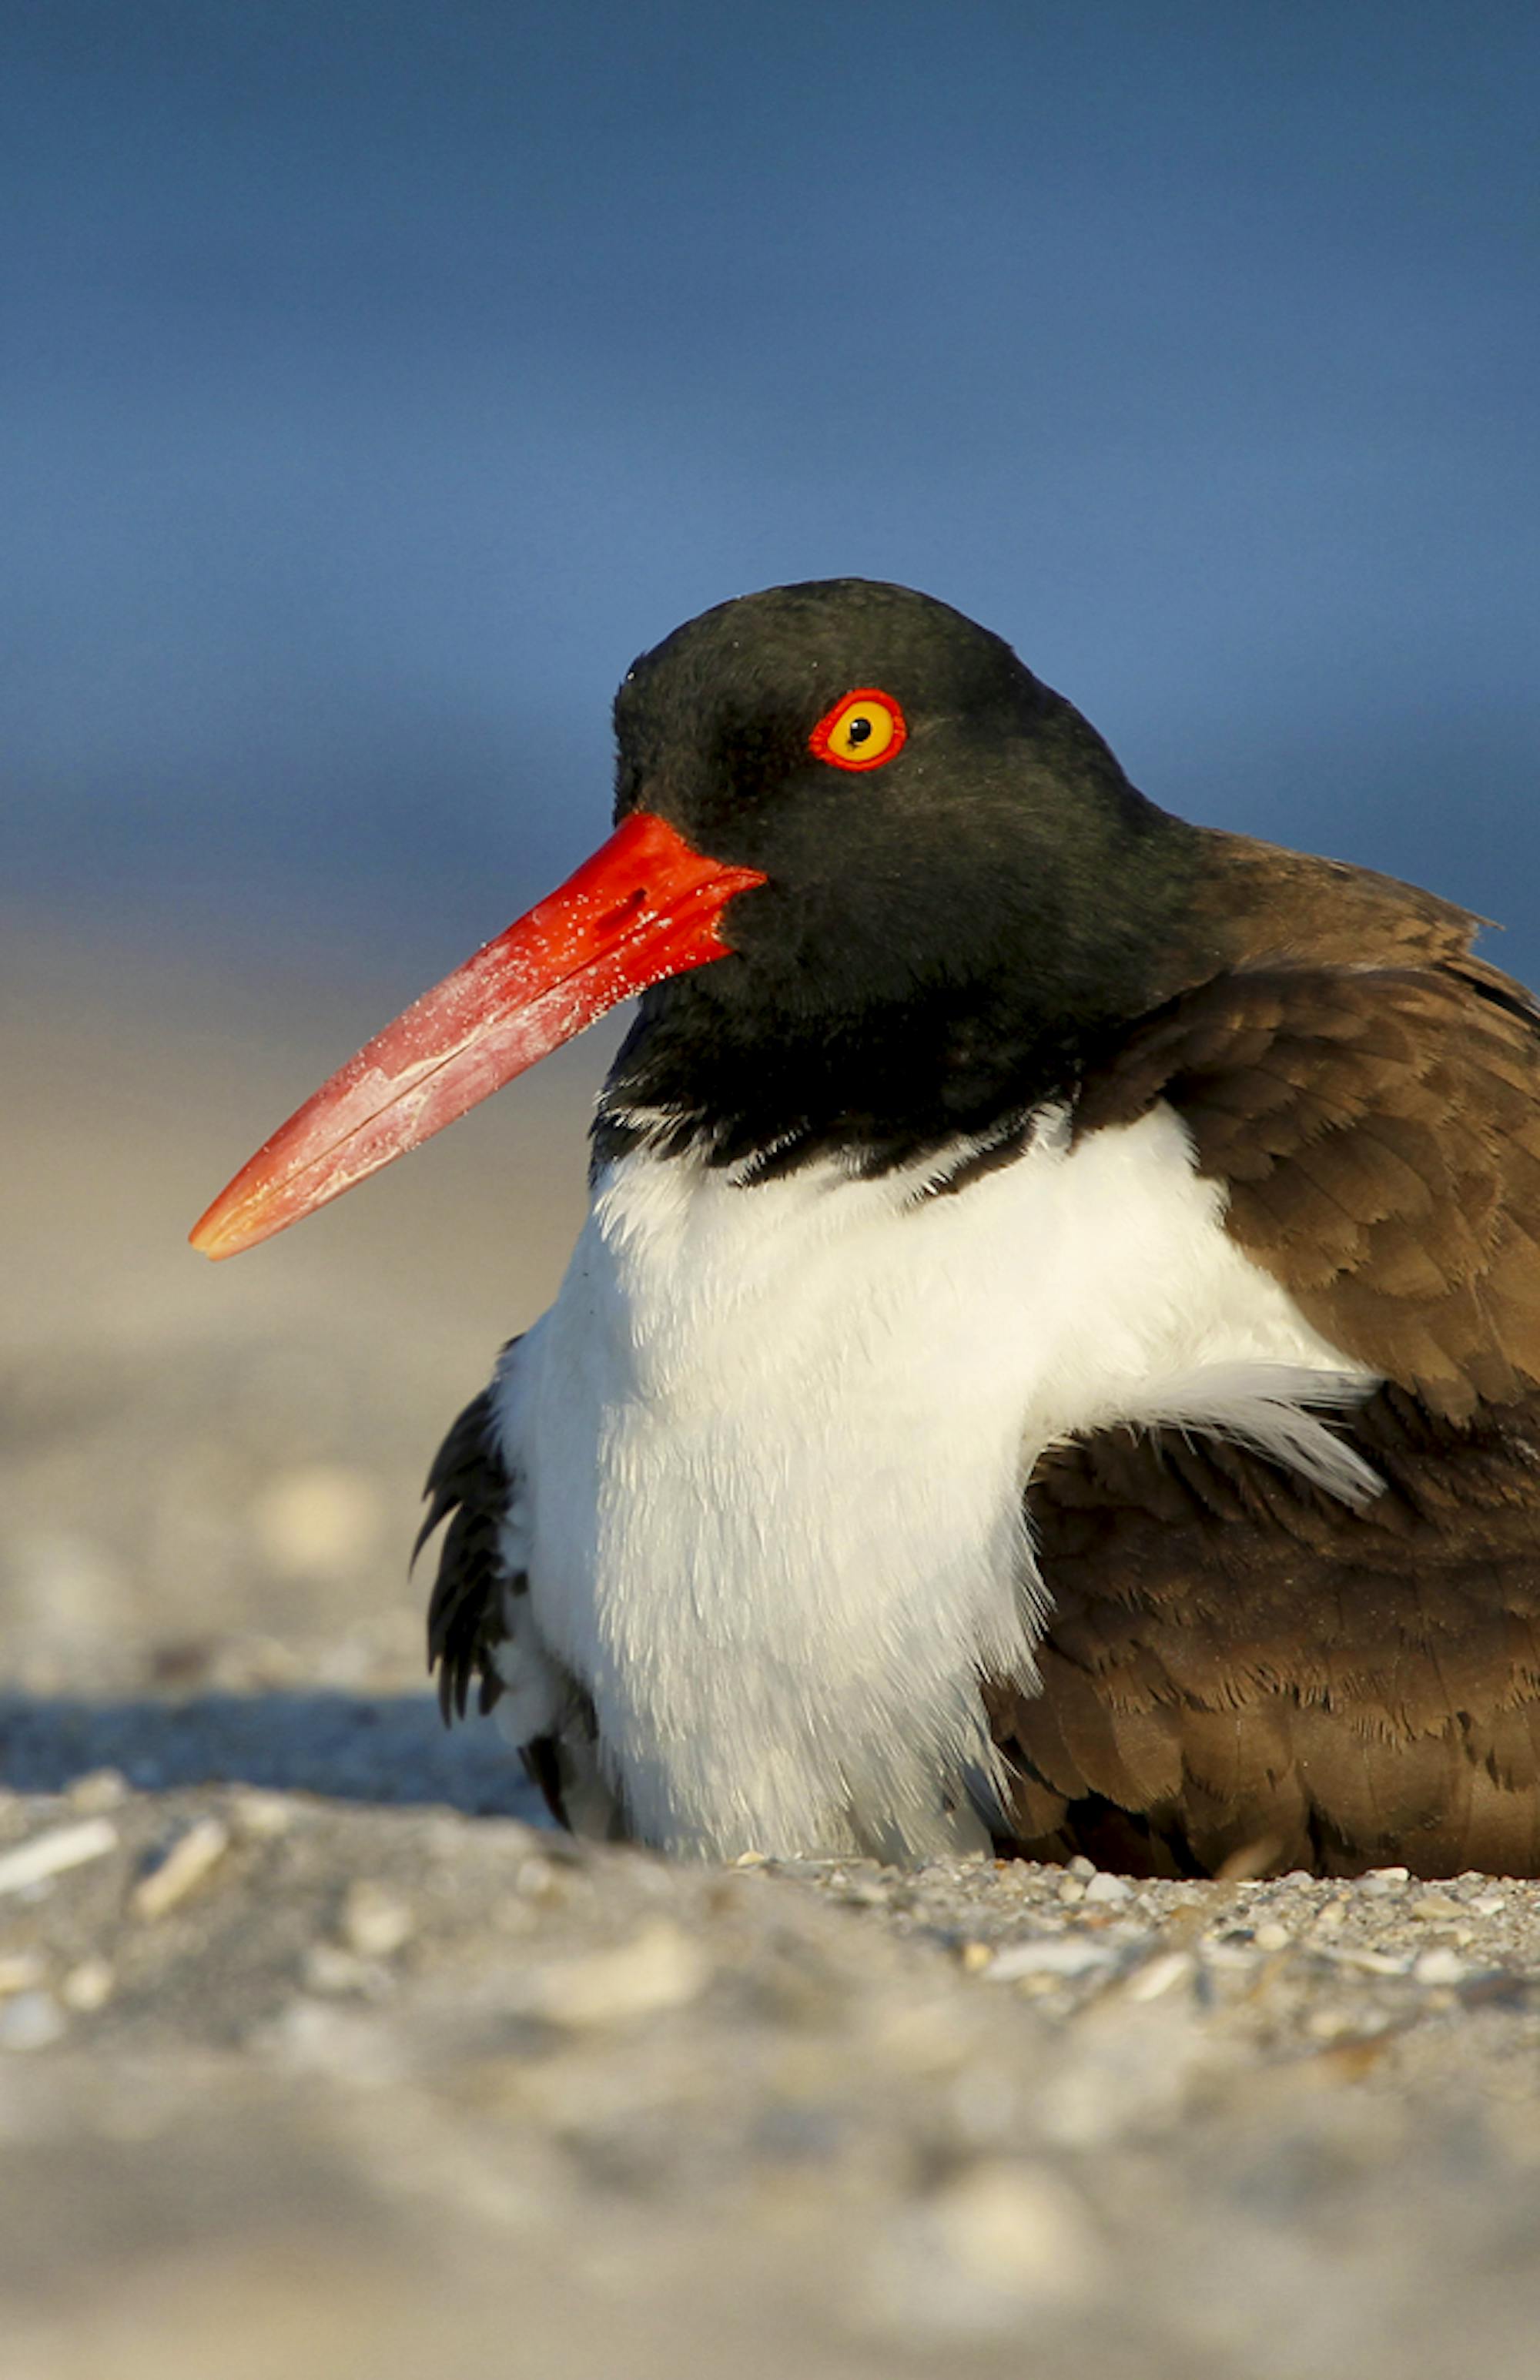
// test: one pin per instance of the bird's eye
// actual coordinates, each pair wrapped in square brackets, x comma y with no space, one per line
[864,729]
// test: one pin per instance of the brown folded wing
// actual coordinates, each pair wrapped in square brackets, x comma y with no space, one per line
[1237,1668]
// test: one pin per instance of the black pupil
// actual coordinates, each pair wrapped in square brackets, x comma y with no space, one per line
[859,730]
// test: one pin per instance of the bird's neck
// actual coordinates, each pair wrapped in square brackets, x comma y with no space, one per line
[958,1059]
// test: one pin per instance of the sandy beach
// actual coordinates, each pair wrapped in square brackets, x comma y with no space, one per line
[320,2054]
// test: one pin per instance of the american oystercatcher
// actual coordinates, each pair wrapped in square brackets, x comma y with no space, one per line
[1053,1359]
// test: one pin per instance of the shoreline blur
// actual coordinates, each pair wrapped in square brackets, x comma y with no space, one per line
[209,1474]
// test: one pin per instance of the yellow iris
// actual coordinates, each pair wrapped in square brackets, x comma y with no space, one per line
[863,729]
[863,733]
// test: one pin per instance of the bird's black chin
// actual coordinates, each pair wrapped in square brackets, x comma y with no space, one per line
[768,1089]
[944,1001]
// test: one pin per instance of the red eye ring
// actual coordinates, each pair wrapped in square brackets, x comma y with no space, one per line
[834,738]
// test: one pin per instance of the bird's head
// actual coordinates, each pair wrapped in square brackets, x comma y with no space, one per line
[867,868]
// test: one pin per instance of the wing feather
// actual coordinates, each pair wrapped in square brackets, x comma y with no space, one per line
[1265,1664]
[468,1488]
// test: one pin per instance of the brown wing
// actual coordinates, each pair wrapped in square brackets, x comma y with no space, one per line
[1237,1664]
[1234,1660]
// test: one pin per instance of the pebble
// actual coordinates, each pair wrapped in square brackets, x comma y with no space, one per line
[659,1968]
[1271,1936]
[50,1854]
[98,1789]
[1002,2238]
[1018,2228]
[1436,1904]
[374,1922]
[260,1817]
[1365,1961]
[88,1987]
[30,2021]
[189,1860]
[1440,1966]
[1108,1888]
[1160,1975]
[1050,1954]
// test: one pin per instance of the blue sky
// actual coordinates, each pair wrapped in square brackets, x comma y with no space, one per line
[379,379]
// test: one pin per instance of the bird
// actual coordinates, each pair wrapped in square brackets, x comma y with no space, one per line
[1051,1364]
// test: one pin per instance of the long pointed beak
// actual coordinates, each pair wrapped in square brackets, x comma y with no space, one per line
[645,906]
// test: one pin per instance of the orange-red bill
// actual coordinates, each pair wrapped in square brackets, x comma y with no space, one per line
[645,906]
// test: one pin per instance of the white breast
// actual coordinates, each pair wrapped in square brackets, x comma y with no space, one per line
[774,1438]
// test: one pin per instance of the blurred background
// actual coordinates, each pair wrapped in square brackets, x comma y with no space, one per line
[378,380]
[375,381]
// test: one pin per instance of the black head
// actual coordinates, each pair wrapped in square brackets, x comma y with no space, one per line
[963,892]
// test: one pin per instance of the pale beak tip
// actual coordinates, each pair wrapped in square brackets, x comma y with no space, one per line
[217,1236]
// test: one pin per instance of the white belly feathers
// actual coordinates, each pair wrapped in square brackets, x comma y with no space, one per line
[772,1440]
